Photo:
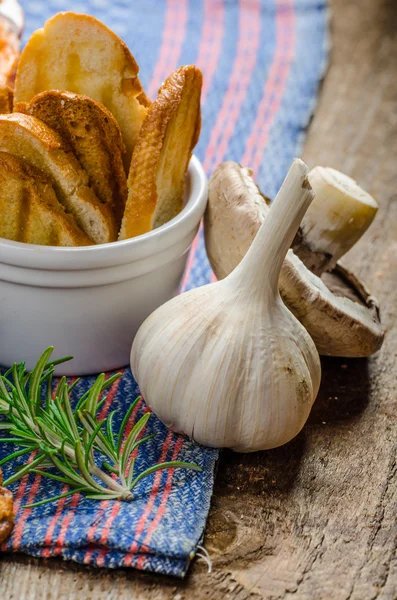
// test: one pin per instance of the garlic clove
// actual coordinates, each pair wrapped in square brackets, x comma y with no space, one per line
[336,220]
[236,209]
[228,364]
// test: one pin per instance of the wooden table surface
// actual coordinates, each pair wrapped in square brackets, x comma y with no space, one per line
[317,518]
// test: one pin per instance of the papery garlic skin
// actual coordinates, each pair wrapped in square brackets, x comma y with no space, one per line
[228,364]
[184,373]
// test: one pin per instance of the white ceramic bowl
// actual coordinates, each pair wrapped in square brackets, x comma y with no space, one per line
[88,302]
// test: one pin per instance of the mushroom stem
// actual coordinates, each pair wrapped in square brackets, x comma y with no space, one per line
[339,216]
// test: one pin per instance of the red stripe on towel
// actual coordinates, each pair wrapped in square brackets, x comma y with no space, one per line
[66,520]
[207,61]
[275,84]
[211,42]
[17,532]
[26,512]
[163,503]
[22,486]
[243,68]
[155,488]
[173,37]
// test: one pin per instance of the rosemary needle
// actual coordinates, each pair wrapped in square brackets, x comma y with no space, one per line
[66,440]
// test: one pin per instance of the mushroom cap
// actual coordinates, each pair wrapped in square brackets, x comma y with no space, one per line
[338,324]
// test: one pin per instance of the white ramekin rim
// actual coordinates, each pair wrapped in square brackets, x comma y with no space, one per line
[31,256]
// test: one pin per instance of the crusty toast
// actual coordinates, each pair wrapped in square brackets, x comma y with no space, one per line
[6,511]
[9,51]
[6,99]
[78,53]
[29,209]
[95,138]
[28,138]
[168,135]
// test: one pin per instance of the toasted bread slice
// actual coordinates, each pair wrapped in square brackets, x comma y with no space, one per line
[9,51]
[28,138]
[80,54]
[95,138]
[6,99]
[169,133]
[6,511]
[29,209]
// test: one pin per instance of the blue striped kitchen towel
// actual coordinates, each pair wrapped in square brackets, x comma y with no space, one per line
[262,62]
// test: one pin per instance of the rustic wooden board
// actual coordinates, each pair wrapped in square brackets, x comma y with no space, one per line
[317,518]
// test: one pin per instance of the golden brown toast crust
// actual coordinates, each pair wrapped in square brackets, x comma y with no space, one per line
[6,512]
[78,53]
[6,100]
[162,153]
[94,137]
[9,52]
[28,138]
[29,209]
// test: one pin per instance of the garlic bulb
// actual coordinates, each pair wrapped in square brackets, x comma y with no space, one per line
[228,364]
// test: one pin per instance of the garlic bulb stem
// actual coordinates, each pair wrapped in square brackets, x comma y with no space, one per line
[275,236]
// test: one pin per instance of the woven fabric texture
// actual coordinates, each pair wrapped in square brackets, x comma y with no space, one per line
[262,61]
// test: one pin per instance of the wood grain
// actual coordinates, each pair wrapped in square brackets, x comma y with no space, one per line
[315,519]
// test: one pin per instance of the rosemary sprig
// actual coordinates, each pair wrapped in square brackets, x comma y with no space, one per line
[67,442]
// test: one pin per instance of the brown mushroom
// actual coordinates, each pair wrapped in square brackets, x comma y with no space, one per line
[339,325]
